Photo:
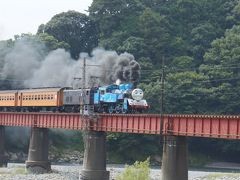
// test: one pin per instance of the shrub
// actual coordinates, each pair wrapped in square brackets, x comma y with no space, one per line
[137,171]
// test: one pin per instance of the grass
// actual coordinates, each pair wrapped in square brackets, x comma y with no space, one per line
[222,176]
[20,170]
[14,171]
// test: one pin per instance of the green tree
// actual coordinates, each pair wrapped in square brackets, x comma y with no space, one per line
[75,29]
[113,15]
[222,63]
[154,29]
[52,43]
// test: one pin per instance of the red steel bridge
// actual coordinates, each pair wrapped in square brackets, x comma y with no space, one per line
[210,126]
[175,128]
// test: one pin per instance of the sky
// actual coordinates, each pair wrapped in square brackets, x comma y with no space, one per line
[24,16]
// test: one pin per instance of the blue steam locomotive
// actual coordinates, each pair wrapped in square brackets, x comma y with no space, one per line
[105,99]
[119,99]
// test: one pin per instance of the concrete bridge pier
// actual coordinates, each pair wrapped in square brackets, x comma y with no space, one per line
[175,158]
[3,158]
[94,163]
[37,161]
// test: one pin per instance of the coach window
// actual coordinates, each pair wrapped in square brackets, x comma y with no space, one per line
[41,97]
[48,96]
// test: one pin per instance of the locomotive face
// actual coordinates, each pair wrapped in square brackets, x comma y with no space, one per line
[137,94]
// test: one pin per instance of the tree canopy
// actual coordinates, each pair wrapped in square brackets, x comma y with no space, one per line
[75,29]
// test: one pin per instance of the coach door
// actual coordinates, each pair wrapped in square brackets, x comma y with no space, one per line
[16,99]
[19,99]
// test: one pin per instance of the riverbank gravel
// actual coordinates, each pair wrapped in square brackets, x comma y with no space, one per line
[71,172]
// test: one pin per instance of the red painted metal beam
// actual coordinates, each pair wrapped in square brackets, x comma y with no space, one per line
[226,127]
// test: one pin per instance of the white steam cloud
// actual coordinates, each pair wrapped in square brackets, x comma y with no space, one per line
[30,67]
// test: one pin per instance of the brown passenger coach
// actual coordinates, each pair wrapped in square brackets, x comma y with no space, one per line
[46,97]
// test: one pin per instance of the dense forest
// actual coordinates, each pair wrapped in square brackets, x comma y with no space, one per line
[199,42]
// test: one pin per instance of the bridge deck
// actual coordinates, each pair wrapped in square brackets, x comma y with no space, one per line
[227,127]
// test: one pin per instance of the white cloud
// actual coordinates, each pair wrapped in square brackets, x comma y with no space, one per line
[26,15]
[1,31]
